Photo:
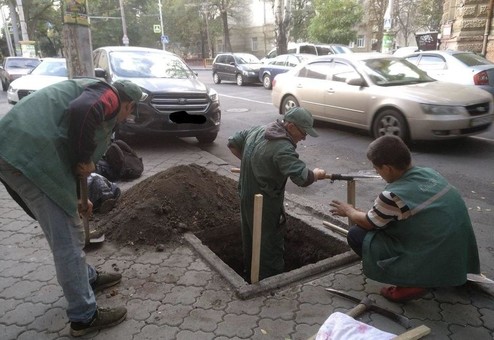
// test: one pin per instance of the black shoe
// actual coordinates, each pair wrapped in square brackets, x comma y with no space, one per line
[105,280]
[103,318]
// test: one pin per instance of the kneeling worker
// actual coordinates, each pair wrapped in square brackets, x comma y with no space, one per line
[418,234]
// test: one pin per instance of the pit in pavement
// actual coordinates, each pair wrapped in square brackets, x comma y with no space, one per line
[192,200]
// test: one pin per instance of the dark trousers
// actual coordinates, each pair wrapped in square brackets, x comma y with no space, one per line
[355,238]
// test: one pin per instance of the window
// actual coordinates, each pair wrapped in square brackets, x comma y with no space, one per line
[342,72]
[254,44]
[429,62]
[316,70]
[360,41]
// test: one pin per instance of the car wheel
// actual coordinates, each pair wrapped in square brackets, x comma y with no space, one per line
[207,138]
[240,80]
[216,78]
[390,122]
[266,82]
[289,102]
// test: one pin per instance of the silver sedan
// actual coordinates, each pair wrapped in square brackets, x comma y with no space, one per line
[383,95]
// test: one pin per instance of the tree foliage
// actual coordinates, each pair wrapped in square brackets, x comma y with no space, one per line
[302,13]
[335,21]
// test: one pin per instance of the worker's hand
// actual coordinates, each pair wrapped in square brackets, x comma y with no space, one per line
[88,210]
[319,174]
[340,209]
[84,169]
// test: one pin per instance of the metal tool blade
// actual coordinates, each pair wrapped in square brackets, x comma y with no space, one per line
[402,320]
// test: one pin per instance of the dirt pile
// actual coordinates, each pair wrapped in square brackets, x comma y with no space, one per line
[167,204]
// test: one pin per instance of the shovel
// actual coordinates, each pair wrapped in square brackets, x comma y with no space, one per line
[85,215]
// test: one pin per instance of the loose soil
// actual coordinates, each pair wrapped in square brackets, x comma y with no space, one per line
[190,198]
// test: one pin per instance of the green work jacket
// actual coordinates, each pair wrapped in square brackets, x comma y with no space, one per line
[34,139]
[434,247]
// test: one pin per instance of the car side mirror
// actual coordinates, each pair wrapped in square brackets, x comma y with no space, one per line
[356,81]
[232,63]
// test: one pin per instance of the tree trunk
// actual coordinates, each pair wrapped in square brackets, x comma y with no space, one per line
[226,32]
[77,43]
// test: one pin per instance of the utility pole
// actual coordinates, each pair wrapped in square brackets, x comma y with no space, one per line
[388,36]
[125,38]
[162,38]
[77,39]
[20,9]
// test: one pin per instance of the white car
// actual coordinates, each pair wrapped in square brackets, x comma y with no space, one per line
[48,72]
[459,67]
[383,95]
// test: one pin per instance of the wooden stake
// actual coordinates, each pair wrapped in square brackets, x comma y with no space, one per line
[256,239]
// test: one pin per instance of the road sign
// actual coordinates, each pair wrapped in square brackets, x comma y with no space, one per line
[165,39]
[157,28]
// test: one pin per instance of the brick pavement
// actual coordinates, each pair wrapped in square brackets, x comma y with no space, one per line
[174,294]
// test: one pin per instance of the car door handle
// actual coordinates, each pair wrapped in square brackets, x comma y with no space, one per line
[331,90]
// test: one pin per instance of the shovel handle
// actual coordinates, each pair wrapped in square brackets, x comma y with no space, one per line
[84,205]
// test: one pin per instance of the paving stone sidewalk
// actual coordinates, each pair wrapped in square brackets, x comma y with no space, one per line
[174,294]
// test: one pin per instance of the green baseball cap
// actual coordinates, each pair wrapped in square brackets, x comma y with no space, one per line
[132,91]
[302,118]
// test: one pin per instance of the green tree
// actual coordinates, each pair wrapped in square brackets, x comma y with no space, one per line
[335,21]
[429,13]
[302,14]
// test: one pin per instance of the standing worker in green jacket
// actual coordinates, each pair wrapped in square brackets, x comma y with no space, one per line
[268,159]
[49,140]
[418,234]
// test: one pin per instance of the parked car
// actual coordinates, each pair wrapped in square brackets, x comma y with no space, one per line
[457,67]
[332,49]
[404,51]
[280,64]
[242,68]
[383,95]
[48,72]
[178,103]
[15,67]
[309,48]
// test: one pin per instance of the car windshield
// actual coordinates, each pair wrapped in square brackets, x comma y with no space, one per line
[394,71]
[22,63]
[471,59]
[132,64]
[51,68]
[247,59]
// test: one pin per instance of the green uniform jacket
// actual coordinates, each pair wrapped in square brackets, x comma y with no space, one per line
[434,247]
[268,160]
[35,136]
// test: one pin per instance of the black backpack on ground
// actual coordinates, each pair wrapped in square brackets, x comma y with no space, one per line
[120,162]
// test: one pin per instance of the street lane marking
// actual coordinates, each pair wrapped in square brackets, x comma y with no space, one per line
[249,100]
[483,138]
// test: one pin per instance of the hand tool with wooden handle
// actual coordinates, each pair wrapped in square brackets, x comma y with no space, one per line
[85,213]
[402,320]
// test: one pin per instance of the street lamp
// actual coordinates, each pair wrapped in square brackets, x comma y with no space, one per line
[387,42]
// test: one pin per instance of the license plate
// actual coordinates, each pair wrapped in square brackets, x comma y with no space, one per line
[481,121]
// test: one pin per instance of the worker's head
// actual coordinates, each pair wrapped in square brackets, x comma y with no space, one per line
[129,94]
[299,122]
[390,157]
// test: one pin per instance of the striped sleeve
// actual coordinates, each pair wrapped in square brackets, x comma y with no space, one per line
[387,208]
